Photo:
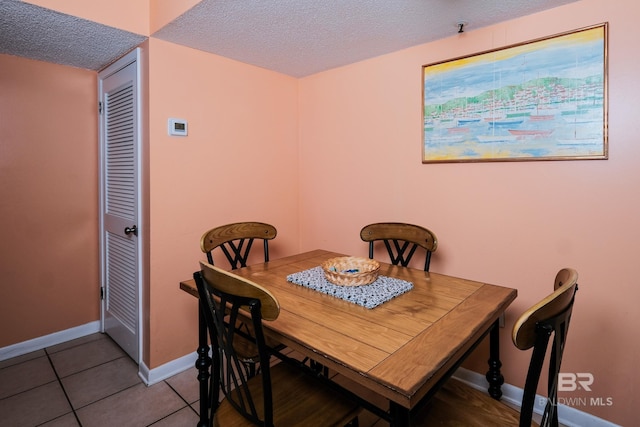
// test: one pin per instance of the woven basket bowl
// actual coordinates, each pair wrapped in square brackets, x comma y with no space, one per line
[351,271]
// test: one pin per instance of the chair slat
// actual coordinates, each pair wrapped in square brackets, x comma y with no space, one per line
[236,240]
[401,241]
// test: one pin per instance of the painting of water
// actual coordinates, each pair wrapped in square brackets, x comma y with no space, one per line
[541,100]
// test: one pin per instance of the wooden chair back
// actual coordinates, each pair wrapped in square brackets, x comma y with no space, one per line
[534,328]
[401,241]
[222,296]
[235,241]
[281,394]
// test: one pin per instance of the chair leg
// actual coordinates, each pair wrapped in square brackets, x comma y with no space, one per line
[354,422]
[319,368]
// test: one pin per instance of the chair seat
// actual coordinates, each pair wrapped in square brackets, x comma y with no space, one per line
[460,405]
[297,400]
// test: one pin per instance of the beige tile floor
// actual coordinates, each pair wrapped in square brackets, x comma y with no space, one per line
[91,382]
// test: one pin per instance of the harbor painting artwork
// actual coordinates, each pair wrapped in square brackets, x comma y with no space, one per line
[541,100]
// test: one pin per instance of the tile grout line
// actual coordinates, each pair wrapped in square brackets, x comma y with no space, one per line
[181,397]
[62,386]
[25,390]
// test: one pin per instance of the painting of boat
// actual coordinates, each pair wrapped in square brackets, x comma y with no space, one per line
[495,138]
[460,129]
[531,132]
[509,121]
[541,117]
[446,139]
[468,120]
[540,100]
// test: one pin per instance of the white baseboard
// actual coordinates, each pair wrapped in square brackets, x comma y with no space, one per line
[39,343]
[567,415]
[169,369]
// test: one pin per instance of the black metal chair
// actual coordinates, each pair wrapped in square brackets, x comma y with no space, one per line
[458,404]
[282,394]
[401,241]
[236,240]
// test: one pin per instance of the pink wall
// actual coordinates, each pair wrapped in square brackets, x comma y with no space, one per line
[164,11]
[138,16]
[323,156]
[514,224]
[129,15]
[49,192]
[238,163]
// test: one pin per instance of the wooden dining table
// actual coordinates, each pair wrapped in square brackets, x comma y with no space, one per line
[401,351]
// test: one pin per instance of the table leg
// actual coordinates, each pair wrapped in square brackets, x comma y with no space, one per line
[399,415]
[494,376]
[203,363]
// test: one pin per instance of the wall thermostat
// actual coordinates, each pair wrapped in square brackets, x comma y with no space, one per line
[177,127]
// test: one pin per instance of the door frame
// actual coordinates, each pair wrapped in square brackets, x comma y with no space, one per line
[126,60]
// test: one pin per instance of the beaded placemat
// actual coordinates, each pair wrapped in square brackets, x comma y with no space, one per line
[372,295]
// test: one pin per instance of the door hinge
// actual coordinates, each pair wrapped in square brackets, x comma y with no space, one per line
[102,292]
[99,107]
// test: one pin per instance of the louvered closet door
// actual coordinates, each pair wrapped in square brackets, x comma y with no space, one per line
[120,209]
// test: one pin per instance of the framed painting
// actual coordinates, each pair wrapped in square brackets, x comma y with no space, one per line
[541,100]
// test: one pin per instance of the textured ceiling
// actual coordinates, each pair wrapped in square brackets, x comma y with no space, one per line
[294,37]
[37,33]
[302,37]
